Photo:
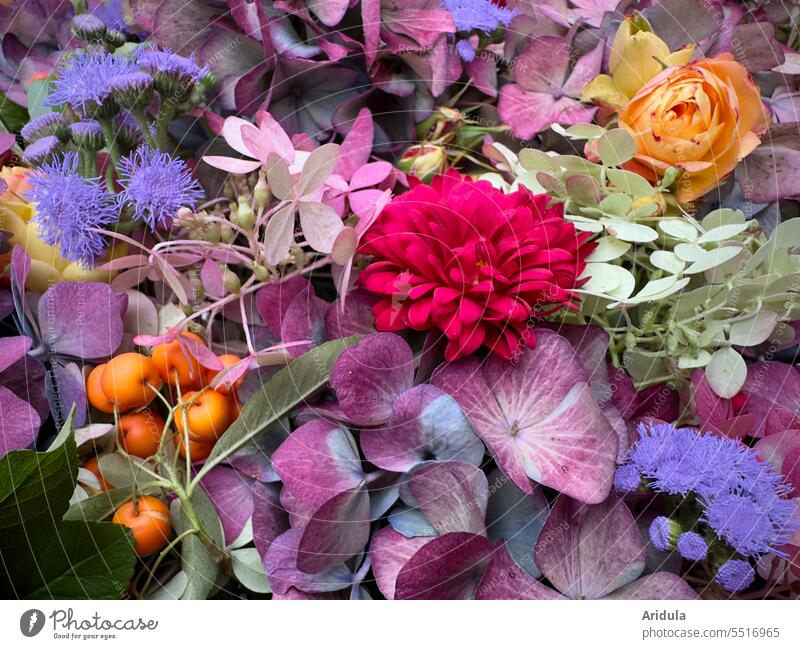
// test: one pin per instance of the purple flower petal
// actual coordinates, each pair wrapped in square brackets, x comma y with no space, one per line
[335,532]
[269,518]
[659,585]
[446,567]
[356,319]
[12,348]
[82,319]
[65,387]
[589,551]
[280,564]
[516,518]
[318,461]
[427,424]
[304,319]
[539,418]
[19,422]
[273,301]
[369,376]
[504,579]
[452,495]
[357,145]
[231,493]
[771,386]
[390,551]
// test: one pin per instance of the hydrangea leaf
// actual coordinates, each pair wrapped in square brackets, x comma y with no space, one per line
[427,424]
[589,551]
[82,319]
[368,377]
[538,417]
[516,518]
[659,585]
[504,579]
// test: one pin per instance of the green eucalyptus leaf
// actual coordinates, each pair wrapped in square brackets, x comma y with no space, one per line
[608,249]
[196,559]
[722,216]
[690,252]
[578,165]
[536,160]
[616,147]
[713,258]
[630,183]
[102,505]
[679,229]
[625,231]
[689,362]
[657,289]
[722,233]
[580,131]
[668,261]
[726,372]
[583,224]
[706,297]
[616,204]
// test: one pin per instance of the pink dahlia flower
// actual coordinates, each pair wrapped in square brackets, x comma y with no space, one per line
[462,257]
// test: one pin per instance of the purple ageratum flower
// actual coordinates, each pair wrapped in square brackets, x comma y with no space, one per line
[70,207]
[178,68]
[40,150]
[83,82]
[627,478]
[664,532]
[88,27]
[45,124]
[478,15]
[735,575]
[131,89]
[87,133]
[692,546]
[751,528]
[157,185]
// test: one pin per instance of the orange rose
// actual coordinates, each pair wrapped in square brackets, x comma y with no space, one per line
[702,118]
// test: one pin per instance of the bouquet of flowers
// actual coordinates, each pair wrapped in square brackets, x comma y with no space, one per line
[417,299]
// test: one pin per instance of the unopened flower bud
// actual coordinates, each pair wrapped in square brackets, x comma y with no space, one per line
[245,216]
[231,281]
[261,193]
[261,272]
[423,161]
[89,28]
[226,233]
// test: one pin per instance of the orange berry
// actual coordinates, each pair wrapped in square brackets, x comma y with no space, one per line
[140,433]
[150,525]
[208,417]
[170,359]
[197,450]
[124,380]
[227,361]
[93,466]
[94,390]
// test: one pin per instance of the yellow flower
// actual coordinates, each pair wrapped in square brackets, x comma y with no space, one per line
[637,55]
[47,265]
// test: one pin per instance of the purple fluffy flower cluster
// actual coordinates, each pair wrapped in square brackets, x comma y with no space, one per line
[743,503]
[476,16]
[157,185]
[70,209]
[83,83]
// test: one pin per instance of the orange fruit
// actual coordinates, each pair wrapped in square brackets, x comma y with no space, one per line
[93,466]
[208,417]
[197,450]
[94,390]
[124,381]
[150,525]
[171,361]
[140,433]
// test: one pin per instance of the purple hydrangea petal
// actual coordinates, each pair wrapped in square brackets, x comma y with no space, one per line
[504,579]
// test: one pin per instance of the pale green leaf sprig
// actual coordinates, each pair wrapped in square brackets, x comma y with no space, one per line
[675,293]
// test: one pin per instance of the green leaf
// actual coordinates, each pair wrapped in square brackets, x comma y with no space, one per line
[79,560]
[626,231]
[608,249]
[249,570]
[630,183]
[287,389]
[13,116]
[722,232]
[668,261]
[726,372]
[35,489]
[616,147]
[101,506]
[583,189]
[37,93]
[713,258]
[199,565]
[678,229]
[753,330]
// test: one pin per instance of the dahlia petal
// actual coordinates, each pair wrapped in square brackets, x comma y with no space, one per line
[469,312]
[419,314]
